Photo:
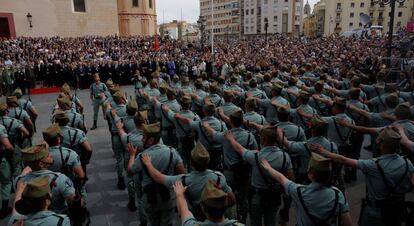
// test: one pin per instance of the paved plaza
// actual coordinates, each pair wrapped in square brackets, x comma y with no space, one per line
[106,203]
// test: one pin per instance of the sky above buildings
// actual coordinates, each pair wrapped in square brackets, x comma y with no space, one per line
[169,10]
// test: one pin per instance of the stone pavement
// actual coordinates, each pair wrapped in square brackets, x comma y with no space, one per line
[106,203]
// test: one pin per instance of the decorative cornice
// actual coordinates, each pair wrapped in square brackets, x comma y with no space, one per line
[136,14]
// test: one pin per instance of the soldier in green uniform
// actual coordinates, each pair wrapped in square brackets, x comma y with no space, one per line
[76,103]
[97,95]
[120,109]
[228,106]
[157,200]
[32,205]
[6,168]
[168,130]
[195,181]
[236,170]
[198,97]
[39,160]
[266,194]
[27,105]
[65,161]
[16,132]
[251,115]
[214,148]
[318,203]
[214,202]
[134,137]
[75,119]
[269,109]
[74,139]
[128,120]
[185,134]
[213,96]
[18,113]
[388,178]
[141,99]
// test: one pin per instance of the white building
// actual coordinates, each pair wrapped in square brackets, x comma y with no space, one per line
[282,16]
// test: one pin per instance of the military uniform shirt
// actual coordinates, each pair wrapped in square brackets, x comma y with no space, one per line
[257,93]
[319,201]
[298,119]
[120,112]
[337,133]
[358,119]
[61,153]
[373,90]
[290,97]
[42,218]
[292,131]
[182,129]
[394,167]
[216,100]
[229,108]
[75,119]
[12,126]
[320,106]
[407,96]
[173,106]
[196,181]
[160,155]
[25,104]
[128,121]
[199,102]
[271,111]
[203,137]
[97,89]
[256,118]
[243,137]
[72,138]
[275,158]
[135,138]
[302,151]
[18,113]
[378,103]
[408,128]
[63,189]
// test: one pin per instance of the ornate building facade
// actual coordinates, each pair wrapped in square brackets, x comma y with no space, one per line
[75,18]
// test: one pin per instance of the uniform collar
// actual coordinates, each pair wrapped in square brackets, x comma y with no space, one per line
[270,149]
[40,215]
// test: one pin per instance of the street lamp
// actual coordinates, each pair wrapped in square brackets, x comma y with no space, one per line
[391,28]
[29,18]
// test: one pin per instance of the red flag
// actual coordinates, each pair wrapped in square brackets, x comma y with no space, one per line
[156,43]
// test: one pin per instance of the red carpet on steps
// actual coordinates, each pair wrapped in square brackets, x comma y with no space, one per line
[44,90]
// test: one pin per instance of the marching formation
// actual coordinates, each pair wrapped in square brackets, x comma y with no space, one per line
[243,141]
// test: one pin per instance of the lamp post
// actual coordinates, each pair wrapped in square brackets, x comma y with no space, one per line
[212,27]
[391,28]
[202,25]
[29,18]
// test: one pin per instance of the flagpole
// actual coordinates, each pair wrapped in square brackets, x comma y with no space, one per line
[212,27]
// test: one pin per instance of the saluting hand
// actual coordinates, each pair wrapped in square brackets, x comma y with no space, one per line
[132,149]
[146,159]
[229,135]
[343,122]
[317,148]
[179,189]
[266,164]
